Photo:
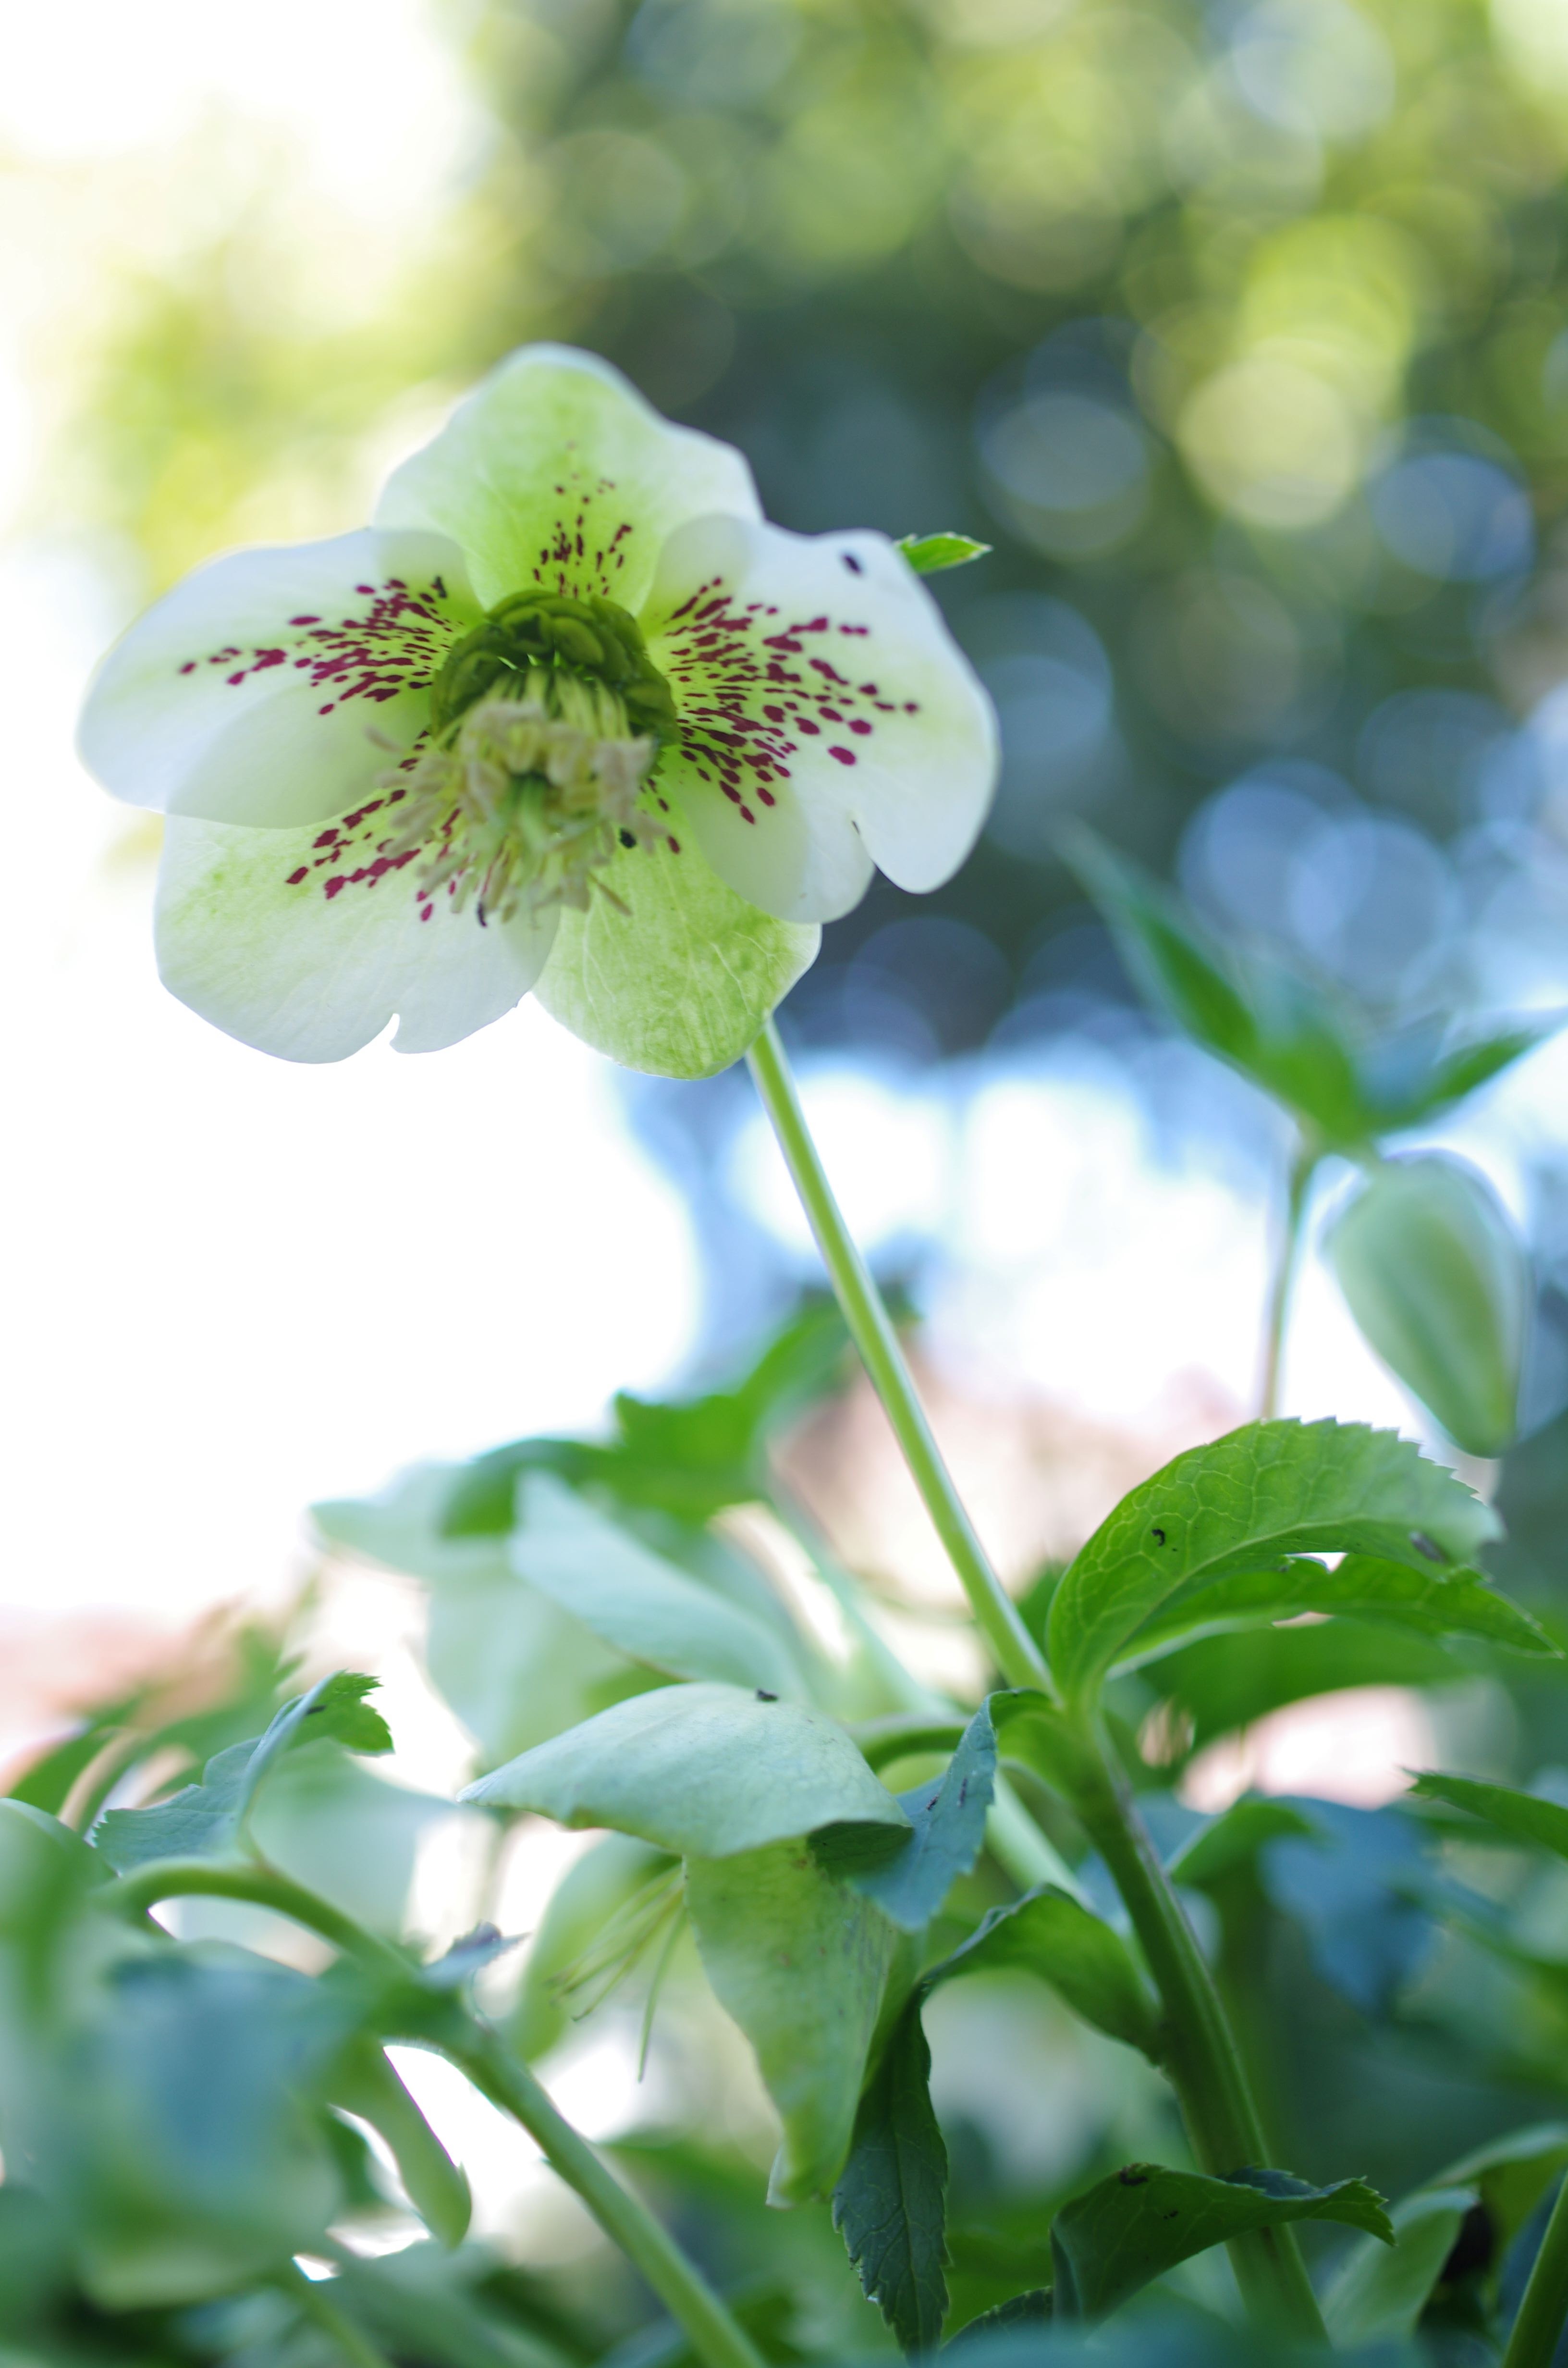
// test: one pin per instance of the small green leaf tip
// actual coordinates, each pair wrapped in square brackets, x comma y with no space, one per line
[927,553]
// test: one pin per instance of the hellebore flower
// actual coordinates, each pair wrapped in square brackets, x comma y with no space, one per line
[570,715]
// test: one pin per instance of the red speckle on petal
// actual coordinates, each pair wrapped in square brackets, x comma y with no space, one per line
[844,755]
[295,876]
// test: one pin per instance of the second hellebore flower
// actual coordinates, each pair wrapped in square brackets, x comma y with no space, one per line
[570,715]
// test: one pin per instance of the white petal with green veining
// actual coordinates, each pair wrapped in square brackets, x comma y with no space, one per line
[680,983]
[828,720]
[556,472]
[283,964]
[249,693]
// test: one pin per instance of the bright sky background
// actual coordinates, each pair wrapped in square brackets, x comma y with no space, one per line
[236,1284]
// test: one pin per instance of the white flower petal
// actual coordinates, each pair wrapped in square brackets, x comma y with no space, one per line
[555,472]
[248,693]
[304,943]
[824,704]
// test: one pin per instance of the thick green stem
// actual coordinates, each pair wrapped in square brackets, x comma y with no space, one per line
[1017,1656]
[1303,1166]
[315,2304]
[1200,2053]
[1538,2328]
[714,2336]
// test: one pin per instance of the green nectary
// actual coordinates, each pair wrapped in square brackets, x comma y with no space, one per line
[528,632]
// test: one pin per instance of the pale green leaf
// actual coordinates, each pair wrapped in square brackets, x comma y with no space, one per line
[1264,1492]
[704,1771]
[1377,2294]
[634,1599]
[800,1963]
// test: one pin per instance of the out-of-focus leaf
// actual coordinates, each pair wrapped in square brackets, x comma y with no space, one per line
[1269,1490]
[1144,2219]
[910,1876]
[363,2082]
[704,1771]
[690,1457]
[1269,1024]
[515,1668]
[427,2305]
[1350,1885]
[1455,1602]
[180,2126]
[1439,1284]
[800,1963]
[1378,2292]
[1523,1816]
[332,1825]
[207,1819]
[890,2204]
[456,1966]
[635,1601]
[928,554]
[1051,1935]
[1423,1071]
[1233,1839]
[1227,1682]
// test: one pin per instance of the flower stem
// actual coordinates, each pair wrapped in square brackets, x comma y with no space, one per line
[716,2338]
[307,2295]
[1533,2342]
[1200,2055]
[1017,1656]
[1303,1166]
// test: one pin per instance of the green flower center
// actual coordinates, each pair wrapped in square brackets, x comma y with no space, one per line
[546,723]
[554,640]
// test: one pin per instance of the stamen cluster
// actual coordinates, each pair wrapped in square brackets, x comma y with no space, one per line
[527,802]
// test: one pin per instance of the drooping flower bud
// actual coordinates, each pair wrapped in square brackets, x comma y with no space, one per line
[1438,1281]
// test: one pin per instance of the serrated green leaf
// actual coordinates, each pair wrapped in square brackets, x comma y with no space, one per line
[1458,1602]
[928,554]
[890,2204]
[1143,2220]
[702,1770]
[1523,1816]
[593,1569]
[1377,2294]
[910,1876]
[1050,1934]
[800,1963]
[209,1819]
[1260,1494]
